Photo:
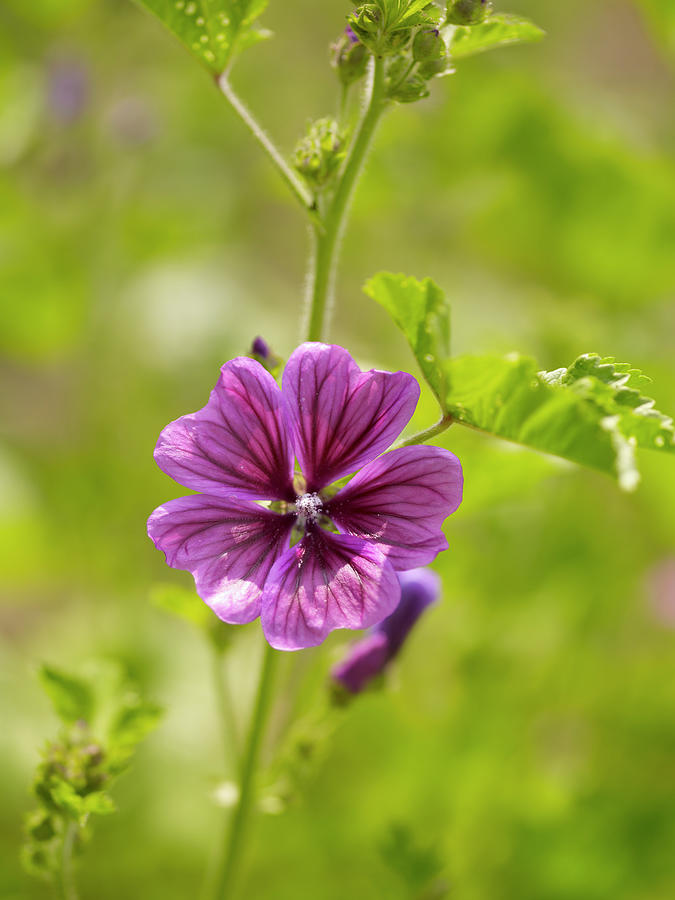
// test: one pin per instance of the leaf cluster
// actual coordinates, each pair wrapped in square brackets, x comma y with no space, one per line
[103,720]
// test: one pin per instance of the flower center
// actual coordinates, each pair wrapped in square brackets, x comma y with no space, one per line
[309,508]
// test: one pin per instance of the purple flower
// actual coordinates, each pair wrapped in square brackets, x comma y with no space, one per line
[370,656]
[240,448]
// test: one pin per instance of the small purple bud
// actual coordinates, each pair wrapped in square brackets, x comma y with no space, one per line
[370,656]
[262,352]
[260,347]
[351,34]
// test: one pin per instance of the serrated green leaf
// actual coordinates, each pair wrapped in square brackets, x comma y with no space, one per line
[420,310]
[212,30]
[578,419]
[617,389]
[495,31]
[71,697]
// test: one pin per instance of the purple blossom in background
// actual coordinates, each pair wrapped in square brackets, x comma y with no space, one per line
[68,90]
[240,448]
[370,656]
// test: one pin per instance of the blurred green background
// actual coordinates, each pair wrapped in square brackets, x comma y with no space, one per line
[524,747]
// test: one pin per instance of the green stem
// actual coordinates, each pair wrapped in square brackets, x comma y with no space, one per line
[230,742]
[67,887]
[327,239]
[426,435]
[299,189]
[225,883]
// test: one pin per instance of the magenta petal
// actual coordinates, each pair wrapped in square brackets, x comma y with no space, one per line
[228,545]
[326,581]
[340,416]
[237,444]
[401,500]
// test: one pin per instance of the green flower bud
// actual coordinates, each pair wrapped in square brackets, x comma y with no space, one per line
[39,826]
[468,12]
[349,57]
[319,154]
[428,44]
[412,89]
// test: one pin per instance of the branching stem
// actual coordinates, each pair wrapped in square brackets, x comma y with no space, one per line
[428,433]
[298,188]
[327,239]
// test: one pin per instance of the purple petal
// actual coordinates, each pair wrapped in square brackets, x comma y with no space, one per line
[228,545]
[401,500]
[326,581]
[340,416]
[237,444]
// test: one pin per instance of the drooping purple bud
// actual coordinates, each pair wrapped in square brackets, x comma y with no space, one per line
[370,656]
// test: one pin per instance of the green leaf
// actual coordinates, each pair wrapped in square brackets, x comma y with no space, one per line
[134,720]
[495,31]
[181,602]
[99,803]
[66,798]
[420,310]
[212,30]
[617,389]
[71,697]
[577,418]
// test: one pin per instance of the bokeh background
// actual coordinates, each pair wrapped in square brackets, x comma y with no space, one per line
[523,749]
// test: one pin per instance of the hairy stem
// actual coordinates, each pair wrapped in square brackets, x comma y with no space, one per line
[299,189]
[67,888]
[422,436]
[327,239]
[228,724]
[226,879]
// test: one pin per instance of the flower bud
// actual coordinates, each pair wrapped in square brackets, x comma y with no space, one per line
[428,44]
[349,57]
[319,154]
[262,353]
[409,91]
[368,658]
[468,12]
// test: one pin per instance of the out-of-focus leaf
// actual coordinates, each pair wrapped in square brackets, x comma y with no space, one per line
[212,30]
[99,803]
[186,605]
[420,310]
[66,798]
[581,420]
[496,31]
[134,721]
[181,602]
[71,697]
